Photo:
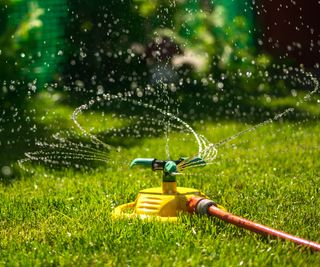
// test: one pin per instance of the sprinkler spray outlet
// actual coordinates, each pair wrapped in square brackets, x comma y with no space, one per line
[167,202]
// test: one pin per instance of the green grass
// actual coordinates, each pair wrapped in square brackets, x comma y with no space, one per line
[271,176]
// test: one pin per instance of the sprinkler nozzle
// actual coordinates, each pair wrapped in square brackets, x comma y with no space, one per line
[156,165]
[145,162]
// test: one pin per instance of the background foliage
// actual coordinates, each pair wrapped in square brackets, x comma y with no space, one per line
[107,49]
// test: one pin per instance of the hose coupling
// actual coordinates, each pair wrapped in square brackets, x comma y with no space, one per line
[200,205]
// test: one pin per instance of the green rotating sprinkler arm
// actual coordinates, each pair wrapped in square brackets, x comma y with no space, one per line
[169,167]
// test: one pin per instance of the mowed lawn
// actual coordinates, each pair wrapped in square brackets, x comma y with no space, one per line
[271,176]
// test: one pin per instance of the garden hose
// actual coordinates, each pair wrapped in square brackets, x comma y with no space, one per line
[204,206]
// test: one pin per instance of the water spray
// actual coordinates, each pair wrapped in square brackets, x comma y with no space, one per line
[167,202]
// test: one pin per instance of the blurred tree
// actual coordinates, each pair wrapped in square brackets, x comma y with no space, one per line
[14,39]
[31,44]
[46,33]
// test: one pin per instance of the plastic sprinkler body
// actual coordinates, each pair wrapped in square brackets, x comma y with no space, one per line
[166,202]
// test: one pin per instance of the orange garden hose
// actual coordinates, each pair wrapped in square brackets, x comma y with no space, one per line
[204,206]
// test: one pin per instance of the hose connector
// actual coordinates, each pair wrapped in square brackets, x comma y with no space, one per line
[200,205]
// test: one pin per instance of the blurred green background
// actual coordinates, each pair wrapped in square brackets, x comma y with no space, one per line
[85,46]
[213,55]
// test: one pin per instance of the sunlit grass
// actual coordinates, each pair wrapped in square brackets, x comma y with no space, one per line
[62,217]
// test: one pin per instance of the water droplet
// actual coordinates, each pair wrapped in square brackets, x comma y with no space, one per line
[6,170]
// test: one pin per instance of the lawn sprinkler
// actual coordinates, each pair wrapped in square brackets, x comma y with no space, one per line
[165,203]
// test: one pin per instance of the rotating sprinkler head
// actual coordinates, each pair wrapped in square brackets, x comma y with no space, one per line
[167,202]
[170,168]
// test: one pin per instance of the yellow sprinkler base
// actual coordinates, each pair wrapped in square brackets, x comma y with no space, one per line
[159,203]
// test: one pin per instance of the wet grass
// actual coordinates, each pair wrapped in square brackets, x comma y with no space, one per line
[63,217]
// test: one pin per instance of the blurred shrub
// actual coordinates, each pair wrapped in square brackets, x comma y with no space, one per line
[130,44]
[14,41]
[211,43]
